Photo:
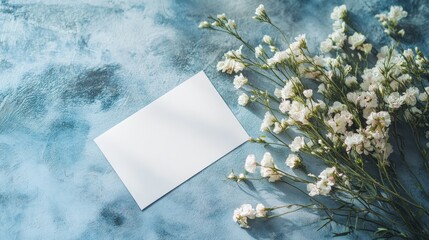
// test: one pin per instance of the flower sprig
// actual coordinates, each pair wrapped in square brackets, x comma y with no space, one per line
[351,122]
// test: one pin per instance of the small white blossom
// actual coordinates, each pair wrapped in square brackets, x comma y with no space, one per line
[268,40]
[261,211]
[299,112]
[339,12]
[338,38]
[278,57]
[408,54]
[250,165]
[394,100]
[243,99]
[204,24]
[269,169]
[259,51]
[243,213]
[232,62]
[396,13]
[381,118]
[313,190]
[277,128]
[260,11]
[293,161]
[356,40]
[285,106]
[221,16]
[241,177]
[366,48]
[268,121]
[326,46]
[297,144]
[410,96]
[232,24]
[424,95]
[240,81]
[232,176]
[308,93]
[350,81]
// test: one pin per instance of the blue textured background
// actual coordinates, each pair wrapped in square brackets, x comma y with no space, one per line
[69,70]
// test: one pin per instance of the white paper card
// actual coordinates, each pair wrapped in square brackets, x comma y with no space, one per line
[170,140]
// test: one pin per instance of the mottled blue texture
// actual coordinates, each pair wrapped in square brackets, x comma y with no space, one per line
[72,69]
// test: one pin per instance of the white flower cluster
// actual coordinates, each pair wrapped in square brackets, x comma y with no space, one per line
[337,38]
[347,119]
[390,20]
[246,211]
[326,180]
[395,14]
[268,168]
[293,161]
[232,62]
[294,51]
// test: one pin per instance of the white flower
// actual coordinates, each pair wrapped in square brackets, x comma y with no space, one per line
[259,51]
[324,186]
[267,39]
[366,48]
[301,40]
[299,112]
[232,62]
[396,13]
[293,161]
[261,211]
[267,160]
[278,57]
[278,93]
[313,190]
[410,96]
[394,100]
[221,16]
[356,40]
[240,81]
[350,81]
[285,106]
[408,54]
[288,90]
[321,88]
[297,144]
[326,46]
[277,128]
[339,25]
[338,38]
[241,177]
[242,213]
[231,176]
[243,99]
[260,11]
[326,180]
[339,12]
[232,24]
[381,118]
[269,169]
[250,165]
[424,95]
[355,141]
[308,93]
[204,24]
[268,121]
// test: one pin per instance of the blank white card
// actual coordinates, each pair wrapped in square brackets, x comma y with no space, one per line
[170,140]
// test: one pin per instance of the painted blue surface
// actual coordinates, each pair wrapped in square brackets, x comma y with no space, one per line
[69,70]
